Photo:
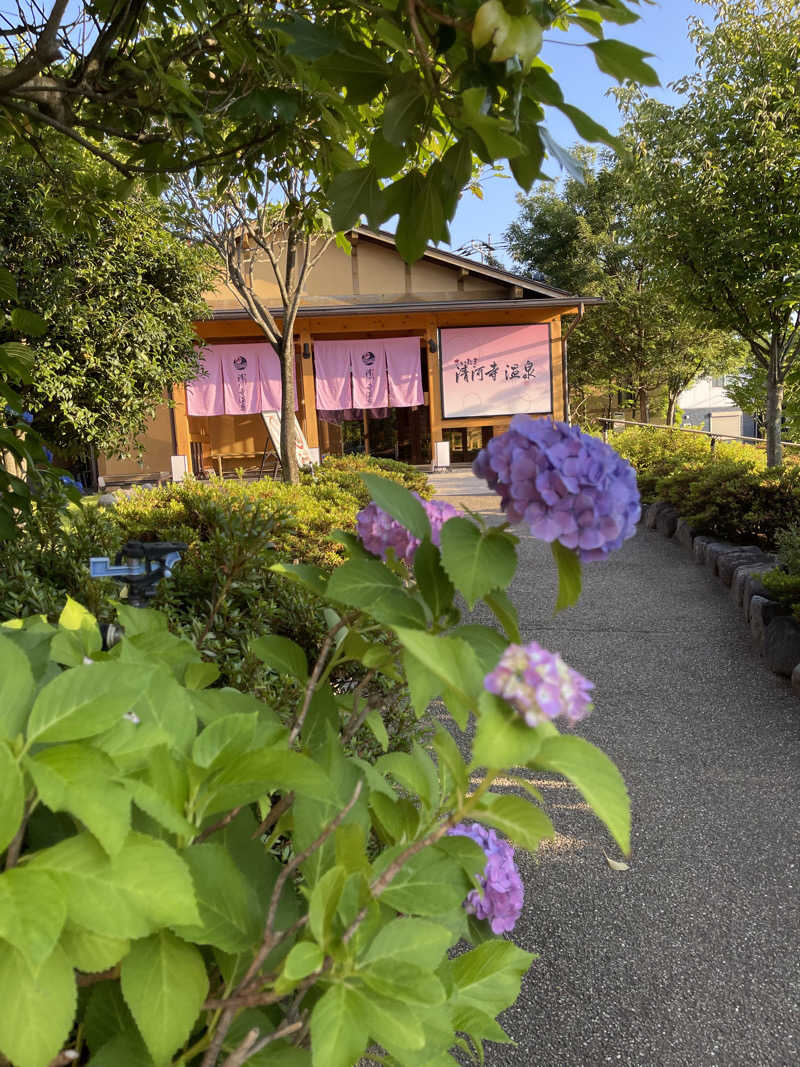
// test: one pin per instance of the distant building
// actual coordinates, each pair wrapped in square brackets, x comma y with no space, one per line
[390,358]
[706,406]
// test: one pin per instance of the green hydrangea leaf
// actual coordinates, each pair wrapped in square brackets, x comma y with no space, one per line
[144,887]
[595,776]
[80,779]
[90,952]
[489,976]
[302,961]
[416,941]
[16,688]
[32,912]
[281,655]
[85,701]
[477,561]
[569,576]
[502,738]
[164,983]
[520,820]
[38,1007]
[230,912]
[339,1027]
[368,585]
[12,796]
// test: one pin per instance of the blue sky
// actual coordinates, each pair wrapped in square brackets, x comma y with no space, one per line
[661,30]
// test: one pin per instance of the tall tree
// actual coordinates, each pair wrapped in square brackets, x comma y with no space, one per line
[583,237]
[720,180]
[280,222]
[157,86]
[747,389]
[116,297]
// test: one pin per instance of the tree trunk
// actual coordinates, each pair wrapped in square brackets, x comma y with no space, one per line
[286,356]
[672,403]
[644,404]
[288,434]
[774,406]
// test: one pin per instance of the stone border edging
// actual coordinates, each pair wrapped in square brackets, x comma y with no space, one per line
[775,632]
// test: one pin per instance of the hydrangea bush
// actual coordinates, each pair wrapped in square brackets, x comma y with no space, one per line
[192,879]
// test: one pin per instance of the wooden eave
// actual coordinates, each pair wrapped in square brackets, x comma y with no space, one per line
[418,306]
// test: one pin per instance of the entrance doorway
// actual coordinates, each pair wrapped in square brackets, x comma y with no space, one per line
[403,434]
[466,441]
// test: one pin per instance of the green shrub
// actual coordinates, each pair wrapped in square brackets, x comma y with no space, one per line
[48,560]
[783,587]
[717,497]
[656,453]
[728,499]
[189,877]
[189,511]
[783,583]
[787,544]
[223,592]
[730,494]
[343,472]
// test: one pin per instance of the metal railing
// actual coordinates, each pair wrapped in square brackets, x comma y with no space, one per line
[711,434]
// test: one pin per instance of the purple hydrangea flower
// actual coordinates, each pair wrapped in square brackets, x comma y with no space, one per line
[378,531]
[539,685]
[566,485]
[500,897]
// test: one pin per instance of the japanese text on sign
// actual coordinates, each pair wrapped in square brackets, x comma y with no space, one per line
[496,370]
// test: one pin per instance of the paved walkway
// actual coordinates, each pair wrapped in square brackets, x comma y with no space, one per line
[690,958]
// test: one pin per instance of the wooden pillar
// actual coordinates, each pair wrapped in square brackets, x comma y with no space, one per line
[308,404]
[557,369]
[182,435]
[434,385]
[324,437]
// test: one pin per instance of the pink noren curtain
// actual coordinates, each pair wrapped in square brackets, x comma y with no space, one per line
[269,369]
[370,382]
[405,371]
[332,372]
[204,394]
[240,377]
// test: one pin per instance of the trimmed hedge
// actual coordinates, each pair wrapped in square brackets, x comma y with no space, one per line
[730,494]
[657,454]
[343,471]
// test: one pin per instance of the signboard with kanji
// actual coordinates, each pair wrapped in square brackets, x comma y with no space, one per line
[496,370]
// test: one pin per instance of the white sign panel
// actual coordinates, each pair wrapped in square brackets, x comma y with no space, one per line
[272,420]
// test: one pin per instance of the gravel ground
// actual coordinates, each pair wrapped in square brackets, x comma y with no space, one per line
[691,956]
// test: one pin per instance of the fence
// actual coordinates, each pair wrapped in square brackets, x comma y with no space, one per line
[713,437]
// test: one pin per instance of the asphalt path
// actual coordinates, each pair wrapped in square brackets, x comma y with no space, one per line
[690,957]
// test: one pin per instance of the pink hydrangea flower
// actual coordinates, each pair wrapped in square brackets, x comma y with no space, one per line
[539,685]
